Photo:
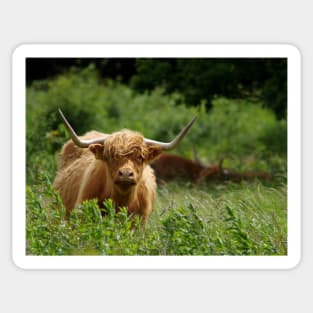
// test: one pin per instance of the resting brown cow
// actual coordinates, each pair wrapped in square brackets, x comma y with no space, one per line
[115,166]
[173,167]
[225,174]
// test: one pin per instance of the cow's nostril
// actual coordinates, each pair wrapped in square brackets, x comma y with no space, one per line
[126,173]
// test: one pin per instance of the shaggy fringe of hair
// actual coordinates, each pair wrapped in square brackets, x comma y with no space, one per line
[126,142]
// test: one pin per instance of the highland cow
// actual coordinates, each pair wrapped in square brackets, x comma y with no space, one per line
[170,167]
[101,166]
[173,167]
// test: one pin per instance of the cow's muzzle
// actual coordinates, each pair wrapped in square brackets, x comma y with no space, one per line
[125,178]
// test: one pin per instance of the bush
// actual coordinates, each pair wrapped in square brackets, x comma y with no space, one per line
[233,129]
[250,220]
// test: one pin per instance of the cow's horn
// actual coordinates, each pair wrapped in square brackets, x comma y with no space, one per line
[83,143]
[171,145]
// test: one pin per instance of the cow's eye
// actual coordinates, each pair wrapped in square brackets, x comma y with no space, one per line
[140,159]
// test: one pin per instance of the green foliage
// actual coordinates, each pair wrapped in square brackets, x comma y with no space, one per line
[243,219]
[250,220]
[232,129]
[196,79]
[239,236]
[235,127]
[185,232]
[275,87]
[202,79]
[274,138]
[86,232]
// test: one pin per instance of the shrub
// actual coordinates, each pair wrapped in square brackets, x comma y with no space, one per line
[250,220]
[232,129]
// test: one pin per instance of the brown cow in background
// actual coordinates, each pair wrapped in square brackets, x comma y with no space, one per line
[114,166]
[226,174]
[173,167]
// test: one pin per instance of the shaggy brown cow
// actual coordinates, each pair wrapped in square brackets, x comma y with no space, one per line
[227,174]
[173,167]
[232,175]
[112,166]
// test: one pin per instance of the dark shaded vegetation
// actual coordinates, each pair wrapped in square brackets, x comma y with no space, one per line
[197,80]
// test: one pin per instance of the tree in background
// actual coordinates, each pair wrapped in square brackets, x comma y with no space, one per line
[197,80]
[202,79]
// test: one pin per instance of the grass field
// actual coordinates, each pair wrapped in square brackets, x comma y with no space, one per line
[216,219]
[244,219]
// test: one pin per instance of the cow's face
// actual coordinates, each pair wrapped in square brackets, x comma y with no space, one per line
[126,155]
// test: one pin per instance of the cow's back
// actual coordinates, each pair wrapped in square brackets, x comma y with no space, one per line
[73,163]
[69,179]
[71,152]
[171,167]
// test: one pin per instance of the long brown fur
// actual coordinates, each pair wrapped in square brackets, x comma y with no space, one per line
[94,172]
[173,167]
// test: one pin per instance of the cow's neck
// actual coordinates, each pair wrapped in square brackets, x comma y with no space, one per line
[123,199]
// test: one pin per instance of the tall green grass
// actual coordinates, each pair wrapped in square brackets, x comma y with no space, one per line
[246,219]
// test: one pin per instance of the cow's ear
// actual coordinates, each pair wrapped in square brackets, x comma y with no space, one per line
[97,150]
[153,153]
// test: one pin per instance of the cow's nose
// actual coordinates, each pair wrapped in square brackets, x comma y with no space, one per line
[126,173]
